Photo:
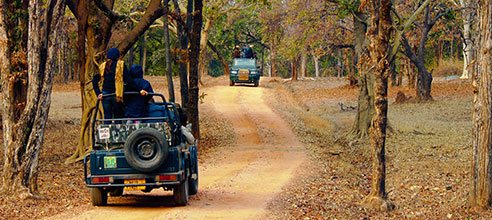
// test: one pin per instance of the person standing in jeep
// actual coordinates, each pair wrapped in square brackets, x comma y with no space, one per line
[137,105]
[113,73]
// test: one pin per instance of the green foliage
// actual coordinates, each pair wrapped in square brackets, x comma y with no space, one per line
[238,28]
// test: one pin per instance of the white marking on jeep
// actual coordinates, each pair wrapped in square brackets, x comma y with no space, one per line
[103,133]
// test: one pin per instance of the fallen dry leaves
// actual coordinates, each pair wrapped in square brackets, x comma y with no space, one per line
[428,154]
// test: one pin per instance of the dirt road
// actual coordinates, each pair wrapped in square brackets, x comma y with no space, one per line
[238,181]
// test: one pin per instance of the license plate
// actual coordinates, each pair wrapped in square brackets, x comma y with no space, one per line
[243,74]
[134,181]
[109,162]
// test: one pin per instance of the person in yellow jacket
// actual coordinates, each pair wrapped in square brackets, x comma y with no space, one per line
[113,74]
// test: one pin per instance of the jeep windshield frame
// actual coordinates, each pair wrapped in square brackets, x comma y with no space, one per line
[245,62]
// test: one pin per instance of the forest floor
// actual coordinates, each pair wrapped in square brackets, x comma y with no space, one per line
[428,153]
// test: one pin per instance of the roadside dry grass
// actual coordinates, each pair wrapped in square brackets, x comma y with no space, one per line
[428,154]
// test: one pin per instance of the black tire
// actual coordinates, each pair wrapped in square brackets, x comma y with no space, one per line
[193,182]
[194,174]
[256,83]
[118,191]
[146,150]
[180,193]
[231,83]
[194,179]
[99,197]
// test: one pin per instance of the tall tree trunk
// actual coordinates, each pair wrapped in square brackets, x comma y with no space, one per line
[481,192]
[295,68]
[183,43]
[170,85]
[467,14]
[339,63]
[410,73]
[98,33]
[193,67]
[202,62]
[303,64]
[424,82]
[131,54]
[144,53]
[316,65]
[365,104]
[64,62]
[273,57]
[393,74]
[351,69]
[379,34]
[23,139]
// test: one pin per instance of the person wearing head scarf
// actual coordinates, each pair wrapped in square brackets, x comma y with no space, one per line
[236,53]
[112,75]
[137,105]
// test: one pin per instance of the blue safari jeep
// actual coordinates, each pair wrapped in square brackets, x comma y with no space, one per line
[141,156]
[244,70]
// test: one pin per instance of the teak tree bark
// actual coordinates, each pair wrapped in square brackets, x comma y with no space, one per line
[194,54]
[169,76]
[365,103]
[182,33]
[23,138]
[379,34]
[481,192]
[468,18]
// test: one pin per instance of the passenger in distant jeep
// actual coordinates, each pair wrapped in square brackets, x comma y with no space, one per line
[137,105]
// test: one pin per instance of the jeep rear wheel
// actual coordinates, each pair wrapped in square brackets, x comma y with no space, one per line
[193,179]
[146,149]
[180,193]
[99,197]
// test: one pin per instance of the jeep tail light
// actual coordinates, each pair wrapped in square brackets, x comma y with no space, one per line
[106,179]
[166,178]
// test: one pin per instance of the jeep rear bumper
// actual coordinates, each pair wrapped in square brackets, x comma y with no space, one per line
[118,180]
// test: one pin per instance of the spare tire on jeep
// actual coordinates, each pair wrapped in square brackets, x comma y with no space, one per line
[146,149]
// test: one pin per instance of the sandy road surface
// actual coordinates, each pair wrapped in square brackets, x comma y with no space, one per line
[238,181]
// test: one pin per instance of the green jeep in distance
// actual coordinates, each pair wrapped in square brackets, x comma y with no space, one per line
[244,70]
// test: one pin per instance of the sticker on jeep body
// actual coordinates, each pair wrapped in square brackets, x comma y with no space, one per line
[103,133]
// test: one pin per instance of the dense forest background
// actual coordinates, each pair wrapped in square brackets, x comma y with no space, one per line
[315,37]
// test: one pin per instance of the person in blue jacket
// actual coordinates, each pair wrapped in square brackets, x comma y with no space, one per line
[113,74]
[137,105]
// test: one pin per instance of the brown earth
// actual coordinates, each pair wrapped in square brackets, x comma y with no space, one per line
[251,163]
